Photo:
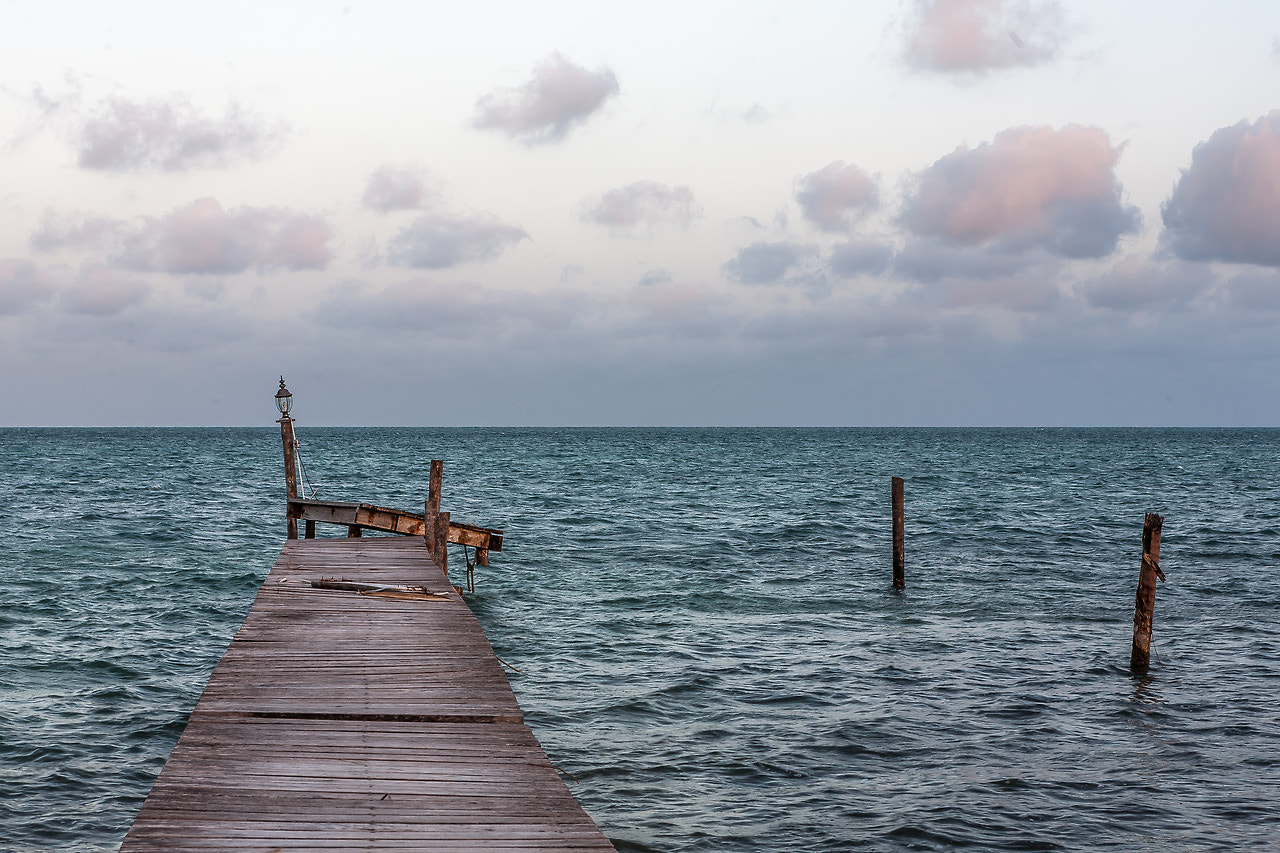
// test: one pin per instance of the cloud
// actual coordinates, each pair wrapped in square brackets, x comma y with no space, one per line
[1255,290]
[22,285]
[835,195]
[1136,284]
[559,96]
[1226,205]
[644,203]
[859,257]
[1030,187]
[976,36]
[437,241]
[930,259]
[767,263]
[396,188]
[654,277]
[1023,293]
[168,134]
[73,231]
[102,292]
[205,239]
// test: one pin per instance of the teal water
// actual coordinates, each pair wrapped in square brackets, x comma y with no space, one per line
[704,625]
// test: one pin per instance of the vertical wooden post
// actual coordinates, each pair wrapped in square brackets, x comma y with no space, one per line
[432,507]
[353,531]
[311,529]
[1145,601]
[899,536]
[290,472]
[442,542]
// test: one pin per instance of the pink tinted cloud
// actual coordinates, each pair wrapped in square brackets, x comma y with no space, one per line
[643,204]
[22,285]
[203,238]
[1226,205]
[102,292]
[169,134]
[1030,187]
[558,97]
[396,188]
[975,36]
[836,195]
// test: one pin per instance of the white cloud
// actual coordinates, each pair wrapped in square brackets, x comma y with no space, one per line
[767,263]
[204,238]
[558,97]
[1030,187]
[836,195]
[396,188]
[1226,205]
[644,204]
[74,231]
[975,36]
[168,134]
[438,241]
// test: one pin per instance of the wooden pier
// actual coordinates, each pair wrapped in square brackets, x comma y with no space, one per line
[347,721]
[361,707]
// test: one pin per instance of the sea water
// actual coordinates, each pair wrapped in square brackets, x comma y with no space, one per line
[708,644]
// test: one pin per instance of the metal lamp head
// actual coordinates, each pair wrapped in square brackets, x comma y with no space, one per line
[284,400]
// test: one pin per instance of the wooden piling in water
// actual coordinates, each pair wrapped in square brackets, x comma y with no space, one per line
[432,507]
[1145,600]
[441,555]
[899,535]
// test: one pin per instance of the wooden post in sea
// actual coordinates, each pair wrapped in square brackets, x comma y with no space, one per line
[1145,601]
[432,507]
[899,536]
[441,554]
[284,402]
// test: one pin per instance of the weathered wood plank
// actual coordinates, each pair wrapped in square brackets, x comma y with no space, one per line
[388,520]
[341,721]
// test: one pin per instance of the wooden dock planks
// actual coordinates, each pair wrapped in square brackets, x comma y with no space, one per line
[341,721]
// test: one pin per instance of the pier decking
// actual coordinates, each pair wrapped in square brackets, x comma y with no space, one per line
[347,721]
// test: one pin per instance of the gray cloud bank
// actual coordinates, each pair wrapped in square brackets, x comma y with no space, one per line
[558,97]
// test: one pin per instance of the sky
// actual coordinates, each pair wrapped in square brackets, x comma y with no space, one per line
[930,212]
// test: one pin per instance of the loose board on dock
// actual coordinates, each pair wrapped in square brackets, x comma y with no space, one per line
[347,721]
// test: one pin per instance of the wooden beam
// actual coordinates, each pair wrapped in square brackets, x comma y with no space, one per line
[388,520]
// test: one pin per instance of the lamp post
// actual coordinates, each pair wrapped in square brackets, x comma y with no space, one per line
[284,402]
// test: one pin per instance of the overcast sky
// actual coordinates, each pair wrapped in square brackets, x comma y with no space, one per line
[957,212]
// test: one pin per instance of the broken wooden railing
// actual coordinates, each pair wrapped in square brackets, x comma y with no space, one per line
[435,526]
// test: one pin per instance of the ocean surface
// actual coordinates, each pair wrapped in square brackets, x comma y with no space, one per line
[709,645]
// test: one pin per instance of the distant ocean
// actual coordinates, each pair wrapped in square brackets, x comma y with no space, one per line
[708,642]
